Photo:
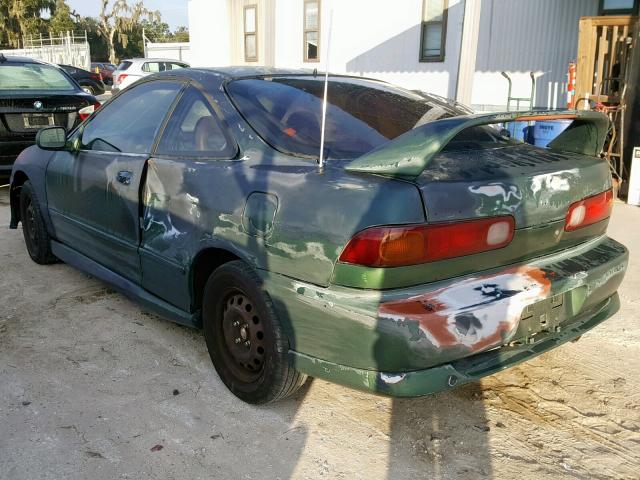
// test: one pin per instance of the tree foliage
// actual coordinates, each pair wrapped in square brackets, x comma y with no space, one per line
[118,18]
[20,18]
[62,18]
[116,33]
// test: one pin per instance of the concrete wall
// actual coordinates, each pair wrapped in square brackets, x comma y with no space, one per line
[375,38]
[381,39]
[209,33]
[176,50]
[370,37]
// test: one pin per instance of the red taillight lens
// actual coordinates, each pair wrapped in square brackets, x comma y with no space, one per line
[397,246]
[589,211]
[120,78]
[86,112]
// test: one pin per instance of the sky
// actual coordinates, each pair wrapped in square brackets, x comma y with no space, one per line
[174,12]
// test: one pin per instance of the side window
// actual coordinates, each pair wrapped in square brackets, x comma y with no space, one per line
[153,67]
[130,123]
[194,130]
[175,66]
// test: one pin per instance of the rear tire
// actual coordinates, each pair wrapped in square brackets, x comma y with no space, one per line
[35,233]
[246,340]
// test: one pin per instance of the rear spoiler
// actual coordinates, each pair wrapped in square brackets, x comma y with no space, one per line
[410,153]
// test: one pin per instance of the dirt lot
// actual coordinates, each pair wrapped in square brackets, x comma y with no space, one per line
[88,385]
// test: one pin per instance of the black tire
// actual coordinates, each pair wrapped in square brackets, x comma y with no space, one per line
[254,365]
[34,229]
[88,89]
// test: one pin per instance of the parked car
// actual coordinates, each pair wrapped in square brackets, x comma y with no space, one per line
[427,251]
[33,95]
[90,82]
[129,71]
[105,70]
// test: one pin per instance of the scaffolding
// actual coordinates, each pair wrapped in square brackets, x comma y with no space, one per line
[67,48]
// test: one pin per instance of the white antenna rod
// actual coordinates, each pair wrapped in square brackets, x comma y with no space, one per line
[324,100]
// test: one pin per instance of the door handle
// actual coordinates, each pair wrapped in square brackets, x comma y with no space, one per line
[124,177]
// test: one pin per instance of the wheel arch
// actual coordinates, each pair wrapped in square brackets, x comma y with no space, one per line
[19,178]
[203,265]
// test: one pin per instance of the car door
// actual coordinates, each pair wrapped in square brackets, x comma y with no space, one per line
[187,187]
[94,192]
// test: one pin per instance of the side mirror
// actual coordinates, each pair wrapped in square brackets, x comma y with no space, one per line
[52,138]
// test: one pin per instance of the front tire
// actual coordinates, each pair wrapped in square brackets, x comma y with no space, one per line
[35,233]
[246,340]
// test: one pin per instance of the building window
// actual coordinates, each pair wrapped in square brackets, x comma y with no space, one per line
[311,31]
[251,33]
[618,7]
[433,30]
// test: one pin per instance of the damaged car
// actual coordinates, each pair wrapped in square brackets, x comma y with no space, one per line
[426,251]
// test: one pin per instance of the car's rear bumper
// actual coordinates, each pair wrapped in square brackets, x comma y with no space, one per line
[443,377]
[423,339]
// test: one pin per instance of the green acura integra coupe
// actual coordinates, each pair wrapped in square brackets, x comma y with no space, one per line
[428,251]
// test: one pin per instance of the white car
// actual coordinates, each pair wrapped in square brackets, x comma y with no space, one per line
[131,70]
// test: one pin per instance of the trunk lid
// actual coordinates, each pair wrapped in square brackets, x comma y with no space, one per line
[22,116]
[534,185]
[466,170]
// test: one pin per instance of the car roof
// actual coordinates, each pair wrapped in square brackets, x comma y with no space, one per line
[140,59]
[234,73]
[18,59]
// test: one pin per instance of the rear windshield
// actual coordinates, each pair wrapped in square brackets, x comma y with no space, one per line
[33,76]
[124,65]
[361,114]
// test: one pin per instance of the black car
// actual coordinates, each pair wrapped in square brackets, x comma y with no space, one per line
[33,95]
[89,81]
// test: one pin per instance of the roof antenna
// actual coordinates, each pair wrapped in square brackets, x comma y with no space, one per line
[324,100]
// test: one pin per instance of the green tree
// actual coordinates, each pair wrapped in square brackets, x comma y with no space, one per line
[181,34]
[97,43]
[117,19]
[156,31]
[62,18]
[20,18]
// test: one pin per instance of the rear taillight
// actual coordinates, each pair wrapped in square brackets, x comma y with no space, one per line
[397,246]
[119,78]
[86,112]
[589,211]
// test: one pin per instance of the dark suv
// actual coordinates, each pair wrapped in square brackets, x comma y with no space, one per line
[33,95]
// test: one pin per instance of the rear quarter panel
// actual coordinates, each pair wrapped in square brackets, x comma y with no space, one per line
[191,205]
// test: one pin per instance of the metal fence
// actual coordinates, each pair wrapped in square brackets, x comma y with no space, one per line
[68,48]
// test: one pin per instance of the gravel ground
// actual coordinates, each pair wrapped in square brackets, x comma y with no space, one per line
[92,386]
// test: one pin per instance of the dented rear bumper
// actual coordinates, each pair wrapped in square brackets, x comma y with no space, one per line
[423,339]
[443,377]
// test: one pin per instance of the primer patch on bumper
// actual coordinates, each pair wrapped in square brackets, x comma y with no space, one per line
[478,313]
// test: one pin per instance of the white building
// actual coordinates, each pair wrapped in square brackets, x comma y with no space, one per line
[454,48]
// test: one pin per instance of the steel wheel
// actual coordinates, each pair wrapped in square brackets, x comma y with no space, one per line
[34,229]
[30,227]
[243,336]
[247,341]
